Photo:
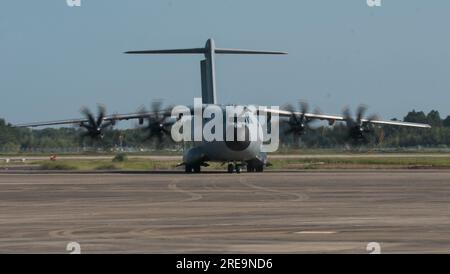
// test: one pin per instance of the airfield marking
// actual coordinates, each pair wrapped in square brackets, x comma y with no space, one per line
[300,196]
[193,196]
[315,232]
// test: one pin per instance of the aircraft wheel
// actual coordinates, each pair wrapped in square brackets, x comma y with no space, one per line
[250,168]
[230,168]
[238,169]
[187,168]
[197,169]
[260,168]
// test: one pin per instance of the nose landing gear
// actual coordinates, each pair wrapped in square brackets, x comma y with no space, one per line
[192,168]
[230,168]
[196,168]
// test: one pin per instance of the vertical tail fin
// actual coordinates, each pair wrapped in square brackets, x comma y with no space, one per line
[207,66]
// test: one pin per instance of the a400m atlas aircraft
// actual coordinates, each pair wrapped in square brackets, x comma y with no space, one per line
[239,152]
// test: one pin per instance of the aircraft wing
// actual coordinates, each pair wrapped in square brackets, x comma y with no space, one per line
[77,122]
[333,118]
[282,113]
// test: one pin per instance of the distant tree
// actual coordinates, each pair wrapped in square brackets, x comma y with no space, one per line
[434,118]
[446,122]
[61,139]
[416,117]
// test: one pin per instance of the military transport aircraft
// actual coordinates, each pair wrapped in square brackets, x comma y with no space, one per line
[237,153]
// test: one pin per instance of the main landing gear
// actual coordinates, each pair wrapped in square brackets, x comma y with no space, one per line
[255,168]
[250,167]
[192,168]
[234,167]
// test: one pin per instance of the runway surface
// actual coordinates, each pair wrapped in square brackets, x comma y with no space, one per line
[275,212]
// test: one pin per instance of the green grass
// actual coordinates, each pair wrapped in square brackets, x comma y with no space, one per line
[282,150]
[318,162]
[90,153]
[362,162]
[105,165]
[57,166]
[120,157]
[129,165]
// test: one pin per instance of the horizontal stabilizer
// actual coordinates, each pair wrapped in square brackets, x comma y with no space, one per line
[245,51]
[205,50]
[169,51]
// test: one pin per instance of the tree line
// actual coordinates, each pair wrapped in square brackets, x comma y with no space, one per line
[29,140]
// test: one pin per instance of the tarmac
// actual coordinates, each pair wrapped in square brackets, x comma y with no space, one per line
[401,211]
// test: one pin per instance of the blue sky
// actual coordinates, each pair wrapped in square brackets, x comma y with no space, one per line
[55,59]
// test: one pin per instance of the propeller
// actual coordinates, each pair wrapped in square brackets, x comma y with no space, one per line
[358,126]
[157,125]
[95,125]
[297,123]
